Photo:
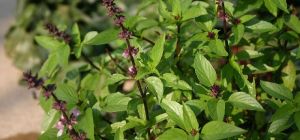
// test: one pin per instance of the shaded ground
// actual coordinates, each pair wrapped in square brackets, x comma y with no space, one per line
[19,113]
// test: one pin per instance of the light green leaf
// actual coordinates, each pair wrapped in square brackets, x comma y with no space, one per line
[217,47]
[280,125]
[204,70]
[173,134]
[238,31]
[289,75]
[86,124]
[276,90]
[156,52]
[77,40]
[245,101]
[271,6]
[216,109]
[262,26]
[176,8]
[190,119]
[49,66]
[119,135]
[90,81]
[104,37]
[174,82]
[115,102]
[281,4]
[48,42]
[215,130]
[164,12]
[292,22]
[174,111]
[50,118]
[193,12]
[115,78]
[66,93]
[155,86]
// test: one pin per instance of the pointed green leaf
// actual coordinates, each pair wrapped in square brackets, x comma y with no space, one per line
[173,134]
[262,26]
[190,119]
[115,78]
[119,135]
[155,86]
[104,37]
[271,6]
[276,90]
[77,40]
[238,31]
[281,4]
[156,52]
[292,22]
[174,111]
[204,70]
[216,109]
[86,123]
[115,102]
[244,101]
[215,130]
[297,119]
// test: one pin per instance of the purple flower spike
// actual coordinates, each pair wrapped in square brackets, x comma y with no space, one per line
[125,34]
[33,81]
[49,89]
[215,90]
[61,105]
[132,71]
[119,20]
[60,126]
[75,112]
[131,50]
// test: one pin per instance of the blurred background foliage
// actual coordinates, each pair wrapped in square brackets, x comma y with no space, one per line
[32,15]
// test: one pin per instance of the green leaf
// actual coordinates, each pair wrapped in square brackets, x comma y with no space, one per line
[66,93]
[238,31]
[204,70]
[284,111]
[156,52]
[48,42]
[90,81]
[297,119]
[164,12]
[193,12]
[50,118]
[245,101]
[174,111]
[281,4]
[216,109]
[86,123]
[262,26]
[176,8]
[49,66]
[292,22]
[155,86]
[174,82]
[173,134]
[271,6]
[104,37]
[115,102]
[280,125]
[190,119]
[217,47]
[115,78]
[276,90]
[289,75]
[215,130]
[77,40]
[119,135]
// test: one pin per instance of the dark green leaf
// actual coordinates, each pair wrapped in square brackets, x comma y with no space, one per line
[238,31]
[86,123]
[216,109]
[156,52]
[293,22]
[276,90]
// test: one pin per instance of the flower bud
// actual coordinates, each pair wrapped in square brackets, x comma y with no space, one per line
[132,71]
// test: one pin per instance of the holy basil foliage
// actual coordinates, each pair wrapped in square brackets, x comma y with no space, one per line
[202,69]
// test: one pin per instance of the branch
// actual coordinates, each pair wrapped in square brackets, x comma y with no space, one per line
[86,58]
[114,60]
[144,38]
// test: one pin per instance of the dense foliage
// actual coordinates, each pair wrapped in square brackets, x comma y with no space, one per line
[175,69]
